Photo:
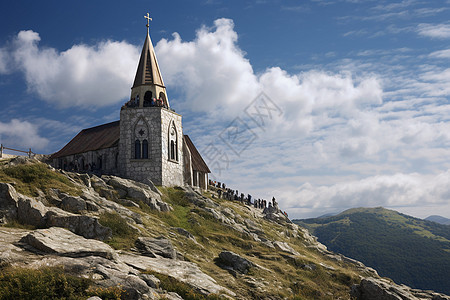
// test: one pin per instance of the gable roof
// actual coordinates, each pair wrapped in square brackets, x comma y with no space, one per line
[148,70]
[91,139]
[198,164]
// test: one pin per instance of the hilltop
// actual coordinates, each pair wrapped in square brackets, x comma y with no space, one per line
[70,235]
[411,251]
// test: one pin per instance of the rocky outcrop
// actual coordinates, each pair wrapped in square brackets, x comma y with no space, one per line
[62,242]
[8,202]
[156,247]
[136,190]
[383,289]
[230,260]
[183,271]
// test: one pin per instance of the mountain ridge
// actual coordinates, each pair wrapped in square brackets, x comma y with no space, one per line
[389,241]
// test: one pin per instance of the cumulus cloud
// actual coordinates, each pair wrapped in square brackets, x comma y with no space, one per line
[22,135]
[215,76]
[438,31]
[86,76]
[398,190]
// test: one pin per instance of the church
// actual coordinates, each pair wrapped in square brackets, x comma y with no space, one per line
[146,143]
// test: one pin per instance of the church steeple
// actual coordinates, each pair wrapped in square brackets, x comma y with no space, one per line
[148,82]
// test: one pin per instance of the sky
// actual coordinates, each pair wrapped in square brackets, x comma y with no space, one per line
[326,105]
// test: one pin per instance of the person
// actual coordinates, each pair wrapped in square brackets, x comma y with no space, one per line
[274,202]
[219,193]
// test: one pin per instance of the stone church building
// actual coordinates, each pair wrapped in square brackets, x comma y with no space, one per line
[146,143]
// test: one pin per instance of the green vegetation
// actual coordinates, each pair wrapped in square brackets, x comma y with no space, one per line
[49,283]
[29,178]
[123,235]
[408,250]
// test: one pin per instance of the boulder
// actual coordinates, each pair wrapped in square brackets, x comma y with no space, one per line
[183,271]
[62,242]
[152,247]
[235,262]
[8,202]
[382,289]
[283,246]
[138,191]
[8,195]
[86,226]
[31,212]
[73,204]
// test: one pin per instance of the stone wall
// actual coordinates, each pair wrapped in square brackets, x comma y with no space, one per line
[105,161]
[155,123]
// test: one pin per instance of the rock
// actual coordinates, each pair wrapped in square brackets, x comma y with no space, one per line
[86,226]
[137,190]
[8,195]
[8,202]
[309,267]
[283,246]
[184,232]
[159,246]
[183,271]
[381,289]
[73,204]
[151,280]
[31,212]
[235,262]
[62,242]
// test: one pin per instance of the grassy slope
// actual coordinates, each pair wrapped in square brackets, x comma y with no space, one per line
[281,276]
[409,250]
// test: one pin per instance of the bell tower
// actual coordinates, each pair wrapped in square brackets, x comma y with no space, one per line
[150,145]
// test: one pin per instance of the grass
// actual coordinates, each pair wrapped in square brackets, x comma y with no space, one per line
[49,283]
[29,178]
[123,235]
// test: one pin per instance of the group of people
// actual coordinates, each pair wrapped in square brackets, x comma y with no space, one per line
[134,102]
[229,194]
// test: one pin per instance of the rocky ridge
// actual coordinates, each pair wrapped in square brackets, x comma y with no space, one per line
[216,247]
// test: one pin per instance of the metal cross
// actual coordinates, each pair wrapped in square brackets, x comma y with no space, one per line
[148,19]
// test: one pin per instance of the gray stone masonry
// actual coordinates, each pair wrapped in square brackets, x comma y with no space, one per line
[152,124]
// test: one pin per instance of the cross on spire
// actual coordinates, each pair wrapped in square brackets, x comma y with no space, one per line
[148,20]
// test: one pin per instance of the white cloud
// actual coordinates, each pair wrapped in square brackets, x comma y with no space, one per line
[3,61]
[398,190]
[438,31]
[22,135]
[87,76]
[441,54]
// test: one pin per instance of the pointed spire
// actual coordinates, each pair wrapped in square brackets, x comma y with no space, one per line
[148,72]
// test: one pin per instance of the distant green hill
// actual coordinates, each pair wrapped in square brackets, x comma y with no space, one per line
[411,251]
[439,219]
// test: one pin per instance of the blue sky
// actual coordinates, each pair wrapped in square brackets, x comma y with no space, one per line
[326,105]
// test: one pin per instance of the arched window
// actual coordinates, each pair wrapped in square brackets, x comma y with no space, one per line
[173,143]
[145,149]
[148,99]
[162,96]
[172,150]
[137,149]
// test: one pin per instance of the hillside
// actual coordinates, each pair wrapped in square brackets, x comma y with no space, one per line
[72,236]
[411,251]
[438,219]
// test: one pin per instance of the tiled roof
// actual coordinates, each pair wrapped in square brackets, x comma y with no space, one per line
[91,139]
[198,164]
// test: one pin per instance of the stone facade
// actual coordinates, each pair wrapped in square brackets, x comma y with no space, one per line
[154,125]
[105,161]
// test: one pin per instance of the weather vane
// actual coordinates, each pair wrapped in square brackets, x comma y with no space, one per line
[148,20]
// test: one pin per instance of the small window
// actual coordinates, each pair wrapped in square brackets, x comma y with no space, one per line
[145,149]
[137,149]
[172,150]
